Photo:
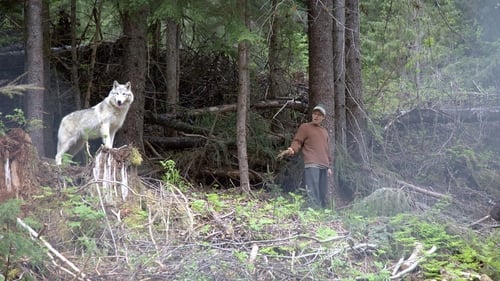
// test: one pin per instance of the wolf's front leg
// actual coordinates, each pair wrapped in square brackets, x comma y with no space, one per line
[106,136]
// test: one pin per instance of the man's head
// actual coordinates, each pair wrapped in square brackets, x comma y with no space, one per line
[318,114]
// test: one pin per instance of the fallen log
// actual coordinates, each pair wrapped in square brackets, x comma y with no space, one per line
[266,104]
[423,190]
[177,142]
[495,212]
[171,121]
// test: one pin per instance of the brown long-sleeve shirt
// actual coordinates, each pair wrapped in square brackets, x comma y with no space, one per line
[313,140]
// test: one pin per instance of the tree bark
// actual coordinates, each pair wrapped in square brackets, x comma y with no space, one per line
[34,101]
[321,88]
[96,14]
[243,100]
[339,71]
[277,83]
[135,30]
[172,72]
[50,98]
[321,73]
[75,80]
[356,121]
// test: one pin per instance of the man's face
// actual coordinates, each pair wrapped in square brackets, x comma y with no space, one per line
[317,117]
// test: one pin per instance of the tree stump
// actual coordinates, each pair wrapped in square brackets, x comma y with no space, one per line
[113,171]
[19,165]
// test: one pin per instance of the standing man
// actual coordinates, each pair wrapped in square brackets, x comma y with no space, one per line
[313,140]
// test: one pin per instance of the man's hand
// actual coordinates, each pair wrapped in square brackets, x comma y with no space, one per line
[287,152]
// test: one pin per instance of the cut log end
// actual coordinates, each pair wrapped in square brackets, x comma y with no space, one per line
[495,212]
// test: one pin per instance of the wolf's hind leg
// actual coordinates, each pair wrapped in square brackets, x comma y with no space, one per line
[62,147]
[71,145]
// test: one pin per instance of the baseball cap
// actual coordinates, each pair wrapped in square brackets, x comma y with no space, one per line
[321,108]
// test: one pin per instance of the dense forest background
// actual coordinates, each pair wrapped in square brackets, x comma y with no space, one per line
[412,92]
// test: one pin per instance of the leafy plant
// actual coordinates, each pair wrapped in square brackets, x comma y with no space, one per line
[214,200]
[172,174]
[85,215]
[3,128]
[454,256]
[324,232]
[19,118]
[16,246]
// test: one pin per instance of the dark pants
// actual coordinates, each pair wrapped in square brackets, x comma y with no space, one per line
[316,180]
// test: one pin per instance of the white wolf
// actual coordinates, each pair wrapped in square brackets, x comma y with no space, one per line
[103,120]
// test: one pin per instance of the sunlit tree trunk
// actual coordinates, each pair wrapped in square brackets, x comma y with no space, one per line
[321,76]
[135,62]
[35,69]
[242,107]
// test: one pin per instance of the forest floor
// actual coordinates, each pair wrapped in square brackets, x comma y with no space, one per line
[164,228]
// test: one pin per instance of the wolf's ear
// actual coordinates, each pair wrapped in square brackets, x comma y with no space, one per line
[128,85]
[115,84]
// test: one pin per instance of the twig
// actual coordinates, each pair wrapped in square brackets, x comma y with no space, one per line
[398,265]
[253,255]
[151,220]
[228,228]
[479,221]
[415,258]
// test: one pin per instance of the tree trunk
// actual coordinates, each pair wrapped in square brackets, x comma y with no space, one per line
[356,122]
[172,72]
[96,14]
[75,79]
[35,69]
[242,111]
[277,83]
[50,98]
[135,30]
[321,88]
[339,70]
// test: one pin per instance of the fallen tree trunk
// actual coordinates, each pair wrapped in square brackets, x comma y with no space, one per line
[177,142]
[423,190]
[267,104]
[171,121]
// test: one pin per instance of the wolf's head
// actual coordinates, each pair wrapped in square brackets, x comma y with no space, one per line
[121,95]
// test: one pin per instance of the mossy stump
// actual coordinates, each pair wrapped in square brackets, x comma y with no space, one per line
[114,172]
